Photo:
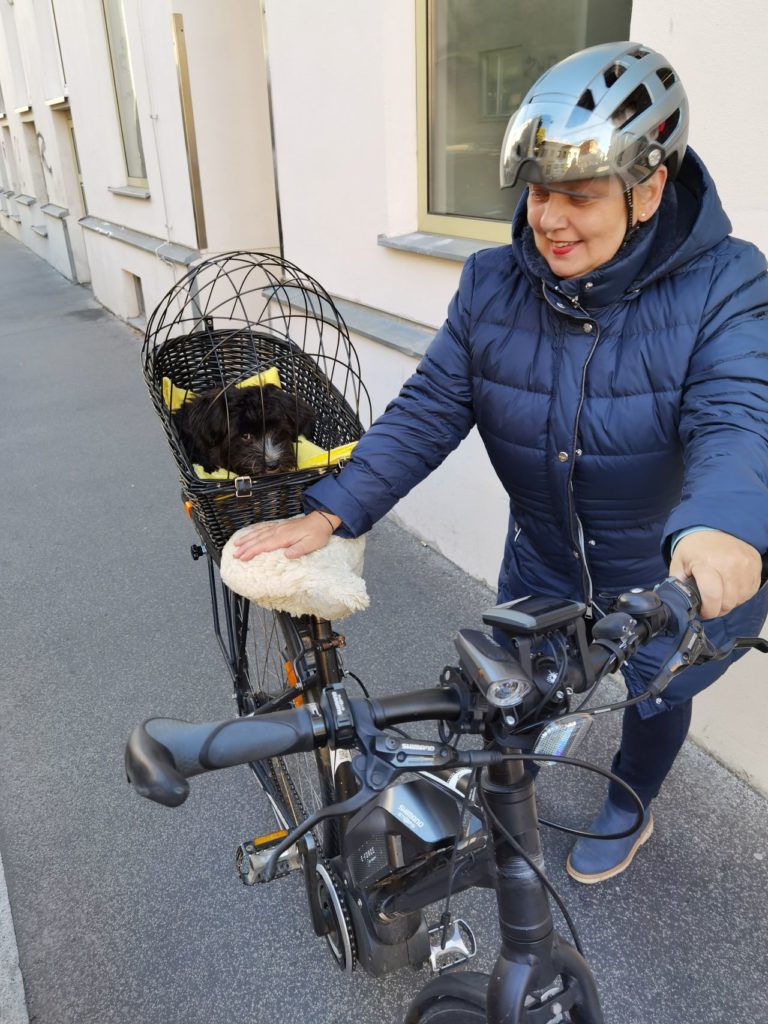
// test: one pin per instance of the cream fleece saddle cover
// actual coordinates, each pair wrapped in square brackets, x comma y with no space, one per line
[327,583]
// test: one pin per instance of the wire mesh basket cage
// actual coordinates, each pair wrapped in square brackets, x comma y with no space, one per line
[241,320]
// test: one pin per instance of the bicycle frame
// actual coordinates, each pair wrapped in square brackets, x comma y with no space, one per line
[386,917]
[538,977]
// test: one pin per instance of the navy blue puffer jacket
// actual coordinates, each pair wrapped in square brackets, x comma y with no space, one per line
[617,409]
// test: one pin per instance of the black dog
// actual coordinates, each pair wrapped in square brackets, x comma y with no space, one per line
[249,431]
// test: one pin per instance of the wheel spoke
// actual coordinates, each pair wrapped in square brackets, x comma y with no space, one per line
[302,782]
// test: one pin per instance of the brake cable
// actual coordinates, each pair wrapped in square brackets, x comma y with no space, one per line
[562,665]
[537,871]
[445,917]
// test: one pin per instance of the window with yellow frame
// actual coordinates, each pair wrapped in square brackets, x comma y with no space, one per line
[476,60]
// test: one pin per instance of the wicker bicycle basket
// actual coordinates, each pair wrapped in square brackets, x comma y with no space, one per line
[230,318]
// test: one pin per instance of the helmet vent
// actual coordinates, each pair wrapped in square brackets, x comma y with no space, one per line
[586,101]
[667,77]
[637,101]
[613,73]
[668,126]
[639,53]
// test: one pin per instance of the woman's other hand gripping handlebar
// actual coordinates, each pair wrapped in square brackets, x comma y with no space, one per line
[726,570]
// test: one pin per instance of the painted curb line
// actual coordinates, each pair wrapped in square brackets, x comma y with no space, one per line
[13,1005]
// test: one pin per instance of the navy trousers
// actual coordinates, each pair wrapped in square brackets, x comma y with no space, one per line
[648,749]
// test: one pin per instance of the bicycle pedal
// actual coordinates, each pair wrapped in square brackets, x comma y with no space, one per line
[253,856]
[460,946]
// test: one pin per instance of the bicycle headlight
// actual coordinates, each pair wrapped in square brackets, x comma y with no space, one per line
[507,693]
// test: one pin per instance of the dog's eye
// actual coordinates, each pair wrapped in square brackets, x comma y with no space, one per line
[246,437]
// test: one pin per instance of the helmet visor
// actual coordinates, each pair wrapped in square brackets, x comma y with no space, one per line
[541,149]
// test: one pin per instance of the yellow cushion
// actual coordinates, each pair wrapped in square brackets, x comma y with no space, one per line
[308,456]
[217,474]
[174,396]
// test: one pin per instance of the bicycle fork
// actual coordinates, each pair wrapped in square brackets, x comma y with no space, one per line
[538,976]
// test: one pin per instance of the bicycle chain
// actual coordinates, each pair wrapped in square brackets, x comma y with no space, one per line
[331,871]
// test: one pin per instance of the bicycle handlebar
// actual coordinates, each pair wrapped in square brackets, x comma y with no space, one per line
[162,753]
[438,703]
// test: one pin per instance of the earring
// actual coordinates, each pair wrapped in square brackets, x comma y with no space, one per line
[642,216]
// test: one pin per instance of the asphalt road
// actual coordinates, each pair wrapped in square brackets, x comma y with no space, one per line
[130,913]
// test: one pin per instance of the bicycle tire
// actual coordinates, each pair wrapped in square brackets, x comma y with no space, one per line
[461,999]
[452,1011]
[275,652]
[451,999]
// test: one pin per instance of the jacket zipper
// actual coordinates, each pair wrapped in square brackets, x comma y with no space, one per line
[578,539]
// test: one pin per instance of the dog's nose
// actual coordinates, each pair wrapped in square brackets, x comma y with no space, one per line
[272,453]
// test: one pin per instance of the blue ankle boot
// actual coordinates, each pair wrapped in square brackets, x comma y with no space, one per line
[595,860]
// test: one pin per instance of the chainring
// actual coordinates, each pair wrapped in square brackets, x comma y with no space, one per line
[341,934]
[331,900]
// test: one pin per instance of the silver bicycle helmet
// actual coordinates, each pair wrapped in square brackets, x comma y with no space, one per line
[614,109]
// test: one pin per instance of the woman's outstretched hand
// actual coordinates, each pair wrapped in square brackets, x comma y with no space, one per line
[297,536]
[726,569]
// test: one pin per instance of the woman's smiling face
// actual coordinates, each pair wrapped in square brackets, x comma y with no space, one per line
[578,230]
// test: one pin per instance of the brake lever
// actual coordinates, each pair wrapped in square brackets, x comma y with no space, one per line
[374,771]
[386,758]
[353,803]
[683,600]
[758,643]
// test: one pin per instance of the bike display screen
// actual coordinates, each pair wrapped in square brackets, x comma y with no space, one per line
[535,613]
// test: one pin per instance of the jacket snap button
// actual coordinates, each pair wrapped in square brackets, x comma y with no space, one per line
[591,543]
[588,328]
[589,284]
[562,456]
[579,451]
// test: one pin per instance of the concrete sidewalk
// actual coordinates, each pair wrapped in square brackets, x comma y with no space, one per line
[13,1006]
[130,913]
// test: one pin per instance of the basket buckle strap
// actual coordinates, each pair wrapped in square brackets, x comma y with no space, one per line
[243,487]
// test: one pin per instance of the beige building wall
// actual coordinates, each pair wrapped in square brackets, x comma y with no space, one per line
[133,242]
[35,139]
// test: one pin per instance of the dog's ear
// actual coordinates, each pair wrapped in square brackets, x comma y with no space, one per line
[211,415]
[206,422]
[305,417]
[296,411]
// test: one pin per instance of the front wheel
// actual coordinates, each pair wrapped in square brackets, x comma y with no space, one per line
[452,1011]
[452,999]
[463,999]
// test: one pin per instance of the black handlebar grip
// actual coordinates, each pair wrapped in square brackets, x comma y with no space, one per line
[163,753]
[151,769]
[693,587]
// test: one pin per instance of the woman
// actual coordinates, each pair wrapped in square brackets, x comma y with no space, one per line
[614,358]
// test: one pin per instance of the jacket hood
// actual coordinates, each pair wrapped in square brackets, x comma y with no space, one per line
[690,221]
